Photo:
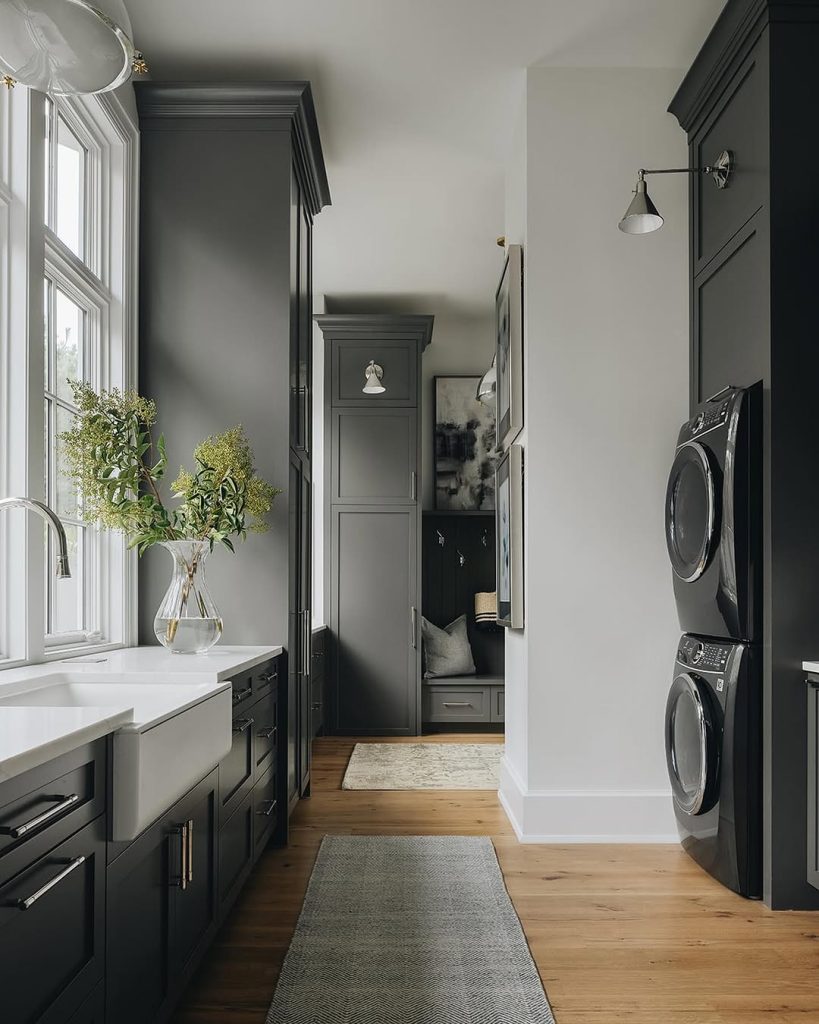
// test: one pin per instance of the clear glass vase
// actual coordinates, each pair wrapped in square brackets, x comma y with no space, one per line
[187,621]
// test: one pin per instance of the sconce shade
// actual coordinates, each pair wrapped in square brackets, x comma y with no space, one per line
[642,215]
[488,383]
[372,379]
[66,47]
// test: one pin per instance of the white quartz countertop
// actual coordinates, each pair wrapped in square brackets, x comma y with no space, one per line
[40,721]
[810,666]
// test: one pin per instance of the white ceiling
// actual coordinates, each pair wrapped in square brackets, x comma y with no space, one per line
[415,100]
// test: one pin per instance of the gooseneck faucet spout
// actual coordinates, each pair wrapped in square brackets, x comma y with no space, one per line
[62,569]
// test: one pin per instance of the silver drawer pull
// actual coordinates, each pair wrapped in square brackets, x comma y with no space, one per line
[17,831]
[240,695]
[268,677]
[317,706]
[242,723]
[66,871]
[270,809]
[190,849]
[456,704]
[265,734]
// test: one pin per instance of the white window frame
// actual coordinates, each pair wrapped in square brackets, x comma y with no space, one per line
[107,290]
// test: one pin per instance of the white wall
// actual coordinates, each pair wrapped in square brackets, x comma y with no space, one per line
[606,384]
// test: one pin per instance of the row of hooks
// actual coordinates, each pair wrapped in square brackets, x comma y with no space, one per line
[461,555]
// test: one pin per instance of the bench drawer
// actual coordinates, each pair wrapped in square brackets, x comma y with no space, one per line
[457,704]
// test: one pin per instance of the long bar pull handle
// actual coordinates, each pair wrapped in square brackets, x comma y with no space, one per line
[32,899]
[265,734]
[241,724]
[306,642]
[413,486]
[239,695]
[190,849]
[182,832]
[271,807]
[18,831]
[456,704]
[414,626]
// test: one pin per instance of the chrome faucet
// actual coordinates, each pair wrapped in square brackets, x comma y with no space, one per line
[62,568]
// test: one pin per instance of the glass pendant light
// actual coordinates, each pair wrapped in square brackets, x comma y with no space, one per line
[66,47]
[488,383]
[373,375]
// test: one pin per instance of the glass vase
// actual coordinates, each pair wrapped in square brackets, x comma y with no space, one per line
[188,621]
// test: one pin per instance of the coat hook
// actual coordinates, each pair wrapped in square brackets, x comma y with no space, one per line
[485,539]
[441,538]
[461,559]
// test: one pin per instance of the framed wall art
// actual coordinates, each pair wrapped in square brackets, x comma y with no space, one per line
[509,341]
[509,537]
[465,446]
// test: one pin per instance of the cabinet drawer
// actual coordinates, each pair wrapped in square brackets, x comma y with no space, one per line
[456,704]
[236,769]
[265,728]
[498,703]
[265,677]
[46,805]
[52,930]
[235,852]
[265,810]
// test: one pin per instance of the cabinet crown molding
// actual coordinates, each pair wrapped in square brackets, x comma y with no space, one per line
[288,102]
[377,325]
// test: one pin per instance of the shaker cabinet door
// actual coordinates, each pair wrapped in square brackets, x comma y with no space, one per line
[374,457]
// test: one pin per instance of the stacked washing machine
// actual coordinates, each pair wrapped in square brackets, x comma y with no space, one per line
[713,725]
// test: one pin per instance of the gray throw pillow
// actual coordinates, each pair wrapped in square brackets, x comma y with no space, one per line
[447,650]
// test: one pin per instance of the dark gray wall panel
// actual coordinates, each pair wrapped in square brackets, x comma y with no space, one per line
[214,338]
[374,456]
[374,589]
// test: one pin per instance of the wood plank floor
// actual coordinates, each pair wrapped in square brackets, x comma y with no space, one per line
[635,934]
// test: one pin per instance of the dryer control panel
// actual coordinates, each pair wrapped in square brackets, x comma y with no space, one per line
[707,418]
[705,655]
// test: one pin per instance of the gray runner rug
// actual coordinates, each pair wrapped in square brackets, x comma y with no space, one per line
[408,930]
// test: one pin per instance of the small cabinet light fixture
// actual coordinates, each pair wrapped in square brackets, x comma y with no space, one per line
[487,385]
[643,216]
[373,376]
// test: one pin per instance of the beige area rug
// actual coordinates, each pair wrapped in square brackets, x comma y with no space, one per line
[424,766]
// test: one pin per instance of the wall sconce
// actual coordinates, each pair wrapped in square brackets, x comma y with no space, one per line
[488,383]
[373,375]
[643,216]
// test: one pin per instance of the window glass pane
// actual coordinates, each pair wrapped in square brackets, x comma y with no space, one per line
[70,195]
[65,597]
[65,496]
[69,324]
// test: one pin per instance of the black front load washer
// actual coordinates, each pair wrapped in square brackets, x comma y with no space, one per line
[713,509]
[713,744]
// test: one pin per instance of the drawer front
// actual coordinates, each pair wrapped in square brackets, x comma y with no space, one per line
[41,808]
[265,728]
[498,703]
[265,677]
[235,851]
[456,704]
[265,811]
[52,930]
[236,770]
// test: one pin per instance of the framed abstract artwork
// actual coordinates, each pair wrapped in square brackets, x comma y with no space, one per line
[465,446]
[509,341]
[509,537]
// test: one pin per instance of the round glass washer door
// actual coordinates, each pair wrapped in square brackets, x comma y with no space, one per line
[692,745]
[690,512]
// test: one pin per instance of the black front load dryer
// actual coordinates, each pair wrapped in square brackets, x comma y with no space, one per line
[713,743]
[713,508]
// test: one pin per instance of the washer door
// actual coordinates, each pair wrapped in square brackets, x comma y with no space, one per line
[692,745]
[690,512]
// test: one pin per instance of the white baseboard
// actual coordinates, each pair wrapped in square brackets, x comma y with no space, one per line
[585,816]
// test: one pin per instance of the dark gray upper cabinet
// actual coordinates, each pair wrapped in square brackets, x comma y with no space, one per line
[753,272]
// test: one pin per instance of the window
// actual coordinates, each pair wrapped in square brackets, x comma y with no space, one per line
[71,233]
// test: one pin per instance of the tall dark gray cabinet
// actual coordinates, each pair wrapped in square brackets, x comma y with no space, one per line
[231,179]
[754,264]
[373,523]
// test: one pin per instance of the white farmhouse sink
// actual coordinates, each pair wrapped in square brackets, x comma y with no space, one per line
[180,731]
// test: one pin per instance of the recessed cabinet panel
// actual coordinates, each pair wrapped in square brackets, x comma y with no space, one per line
[731,322]
[396,356]
[813,782]
[374,456]
[739,125]
[372,619]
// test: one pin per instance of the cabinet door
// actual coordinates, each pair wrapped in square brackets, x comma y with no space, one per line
[294,635]
[236,769]
[193,913]
[92,1010]
[235,853]
[301,320]
[373,618]
[374,457]
[813,781]
[397,357]
[139,896]
[52,931]
[305,666]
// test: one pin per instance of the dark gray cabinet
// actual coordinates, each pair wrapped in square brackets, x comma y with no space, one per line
[374,456]
[813,780]
[317,680]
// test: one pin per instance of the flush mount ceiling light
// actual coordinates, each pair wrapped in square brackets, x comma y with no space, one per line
[373,376]
[66,47]
[643,216]
[488,383]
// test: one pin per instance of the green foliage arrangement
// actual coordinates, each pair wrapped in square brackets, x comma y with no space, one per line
[110,455]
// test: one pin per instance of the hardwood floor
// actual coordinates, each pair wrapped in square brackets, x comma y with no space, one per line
[635,934]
